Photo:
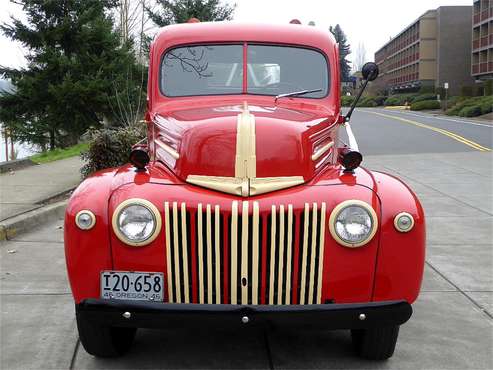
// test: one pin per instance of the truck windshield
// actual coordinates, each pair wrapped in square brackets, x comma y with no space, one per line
[219,70]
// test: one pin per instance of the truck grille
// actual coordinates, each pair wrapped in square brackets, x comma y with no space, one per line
[244,256]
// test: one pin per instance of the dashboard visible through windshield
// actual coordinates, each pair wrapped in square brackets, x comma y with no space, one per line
[220,70]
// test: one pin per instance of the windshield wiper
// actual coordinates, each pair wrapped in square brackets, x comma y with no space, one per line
[296,93]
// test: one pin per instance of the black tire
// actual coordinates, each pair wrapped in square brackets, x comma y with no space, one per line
[375,343]
[104,341]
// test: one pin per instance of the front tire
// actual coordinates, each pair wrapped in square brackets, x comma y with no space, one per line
[104,341]
[375,343]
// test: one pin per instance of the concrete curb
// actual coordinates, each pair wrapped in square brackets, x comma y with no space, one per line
[27,221]
[16,164]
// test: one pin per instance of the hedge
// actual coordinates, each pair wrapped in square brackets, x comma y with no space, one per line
[472,111]
[367,101]
[402,99]
[425,104]
[346,101]
[486,108]
[453,100]
[424,97]
[472,107]
[380,100]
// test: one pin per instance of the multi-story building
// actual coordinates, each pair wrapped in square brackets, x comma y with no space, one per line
[433,50]
[482,40]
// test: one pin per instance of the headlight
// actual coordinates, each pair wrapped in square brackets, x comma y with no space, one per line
[85,220]
[136,222]
[353,223]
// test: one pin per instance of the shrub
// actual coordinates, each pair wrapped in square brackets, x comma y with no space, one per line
[478,102]
[453,100]
[380,100]
[473,111]
[346,101]
[454,111]
[110,147]
[391,101]
[399,99]
[395,100]
[367,101]
[425,104]
[486,108]
[424,97]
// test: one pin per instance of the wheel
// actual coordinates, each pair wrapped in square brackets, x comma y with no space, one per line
[375,343]
[104,341]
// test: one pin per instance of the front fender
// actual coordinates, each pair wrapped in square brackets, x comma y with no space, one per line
[88,252]
[401,256]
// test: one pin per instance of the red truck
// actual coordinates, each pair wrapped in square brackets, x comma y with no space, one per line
[245,207]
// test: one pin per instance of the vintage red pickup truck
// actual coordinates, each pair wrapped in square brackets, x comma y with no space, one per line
[245,207]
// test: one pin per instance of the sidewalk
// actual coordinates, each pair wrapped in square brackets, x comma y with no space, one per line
[26,189]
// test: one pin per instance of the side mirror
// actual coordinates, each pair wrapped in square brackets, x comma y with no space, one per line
[369,71]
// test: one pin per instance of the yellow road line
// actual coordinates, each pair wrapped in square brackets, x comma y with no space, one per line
[450,134]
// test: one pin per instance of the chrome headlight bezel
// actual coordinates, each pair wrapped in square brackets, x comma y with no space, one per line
[136,202]
[92,218]
[397,225]
[353,203]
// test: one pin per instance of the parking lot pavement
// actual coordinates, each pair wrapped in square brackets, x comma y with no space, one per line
[452,325]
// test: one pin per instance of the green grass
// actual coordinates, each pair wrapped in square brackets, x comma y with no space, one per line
[55,155]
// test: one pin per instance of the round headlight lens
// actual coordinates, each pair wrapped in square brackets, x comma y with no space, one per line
[136,222]
[353,223]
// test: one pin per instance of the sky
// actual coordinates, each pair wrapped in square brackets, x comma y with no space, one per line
[370,22]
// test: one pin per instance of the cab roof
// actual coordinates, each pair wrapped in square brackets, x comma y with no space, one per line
[230,31]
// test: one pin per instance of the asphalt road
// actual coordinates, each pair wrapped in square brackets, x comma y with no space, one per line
[382,131]
[452,324]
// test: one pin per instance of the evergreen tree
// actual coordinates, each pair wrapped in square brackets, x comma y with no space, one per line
[344,51]
[180,11]
[78,73]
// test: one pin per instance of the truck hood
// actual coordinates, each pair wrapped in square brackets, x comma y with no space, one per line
[241,149]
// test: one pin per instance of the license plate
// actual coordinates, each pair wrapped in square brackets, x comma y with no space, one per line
[137,286]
